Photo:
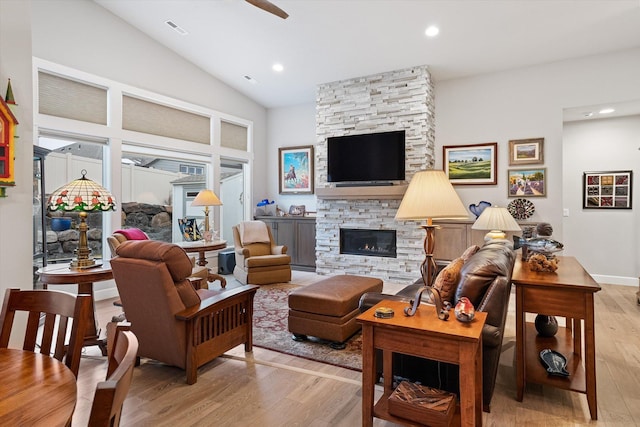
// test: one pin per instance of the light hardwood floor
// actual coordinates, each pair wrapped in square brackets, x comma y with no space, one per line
[266,388]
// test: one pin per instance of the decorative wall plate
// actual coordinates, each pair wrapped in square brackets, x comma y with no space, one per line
[521,208]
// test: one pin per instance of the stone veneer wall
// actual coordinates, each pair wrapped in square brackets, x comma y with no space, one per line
[395,100]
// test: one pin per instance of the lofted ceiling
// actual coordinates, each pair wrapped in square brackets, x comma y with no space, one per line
[327,40]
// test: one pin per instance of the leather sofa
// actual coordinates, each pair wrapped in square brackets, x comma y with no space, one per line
[485,278]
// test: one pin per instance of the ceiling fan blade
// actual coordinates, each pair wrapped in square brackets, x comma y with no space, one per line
[269,7]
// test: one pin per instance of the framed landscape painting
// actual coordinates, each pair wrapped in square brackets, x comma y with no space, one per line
[527,182]
[607,190]
[295,170]
[526,151]
[471,164]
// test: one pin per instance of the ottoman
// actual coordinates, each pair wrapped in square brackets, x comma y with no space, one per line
[327,309]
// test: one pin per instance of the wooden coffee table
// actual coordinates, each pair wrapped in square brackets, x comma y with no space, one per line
[567,292]
[422,335]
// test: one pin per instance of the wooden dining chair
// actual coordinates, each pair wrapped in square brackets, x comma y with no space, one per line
[52,310]
[110,394]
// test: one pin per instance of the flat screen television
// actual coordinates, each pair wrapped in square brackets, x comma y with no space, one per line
[366,158]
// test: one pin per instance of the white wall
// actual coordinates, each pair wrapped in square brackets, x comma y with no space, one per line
[288,127]
[527,103]
[16,209]
[606,240]
[516,104]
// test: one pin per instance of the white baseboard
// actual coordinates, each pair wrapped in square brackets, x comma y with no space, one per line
[105,293]
[616,280]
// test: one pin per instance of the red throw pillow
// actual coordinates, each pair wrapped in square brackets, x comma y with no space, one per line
[133,234]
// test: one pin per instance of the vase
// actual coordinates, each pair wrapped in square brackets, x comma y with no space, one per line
[60,224]
[547,326]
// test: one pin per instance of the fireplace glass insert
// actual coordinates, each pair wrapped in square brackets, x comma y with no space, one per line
[366,242]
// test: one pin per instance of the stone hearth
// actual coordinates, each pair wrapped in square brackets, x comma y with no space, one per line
[395,100]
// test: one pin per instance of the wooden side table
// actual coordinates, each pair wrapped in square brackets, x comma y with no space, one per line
[61,274]
[201,247]
[567,292]
[422,335]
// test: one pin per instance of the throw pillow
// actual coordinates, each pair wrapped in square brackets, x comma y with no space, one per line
[133,234]
[448,278]
[471,250]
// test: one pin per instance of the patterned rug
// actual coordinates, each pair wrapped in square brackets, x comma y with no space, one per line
[270,311]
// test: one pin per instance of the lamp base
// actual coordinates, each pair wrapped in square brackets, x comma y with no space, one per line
[83,253]
[80,264]
[494,234]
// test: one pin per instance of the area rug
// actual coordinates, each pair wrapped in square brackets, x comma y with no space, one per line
[270,311]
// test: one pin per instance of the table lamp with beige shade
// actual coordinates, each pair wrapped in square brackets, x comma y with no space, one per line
[497,220]
[206,198]
[430,196]
[82,195]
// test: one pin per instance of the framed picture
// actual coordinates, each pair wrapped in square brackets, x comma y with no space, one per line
[295,170]
[471,164]
[527,182]
[526,151]
[607,190]
[297,210]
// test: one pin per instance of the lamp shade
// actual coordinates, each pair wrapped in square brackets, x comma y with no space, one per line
[431,196]
[496,218]
[81,194]
[206,198]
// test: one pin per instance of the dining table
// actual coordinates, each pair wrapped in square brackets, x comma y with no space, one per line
[35,390]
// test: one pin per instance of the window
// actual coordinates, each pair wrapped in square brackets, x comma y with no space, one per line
[192,170]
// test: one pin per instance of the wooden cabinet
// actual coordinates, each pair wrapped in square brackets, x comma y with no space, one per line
[299,235]
[453,237]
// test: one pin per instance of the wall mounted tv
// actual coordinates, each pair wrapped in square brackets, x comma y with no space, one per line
[375,158]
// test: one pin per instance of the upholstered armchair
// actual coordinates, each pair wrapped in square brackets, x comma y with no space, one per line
[198,273]
[258,259]
[175,323]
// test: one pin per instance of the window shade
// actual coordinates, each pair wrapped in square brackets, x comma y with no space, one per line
[148,117]
[233,136]
[71,99]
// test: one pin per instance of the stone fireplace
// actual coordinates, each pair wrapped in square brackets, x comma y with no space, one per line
[395,100]
[356,241]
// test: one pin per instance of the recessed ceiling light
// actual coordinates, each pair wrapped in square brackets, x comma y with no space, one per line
[251,79]
[277,67]
[178,29]
[432,31]
[587,114]
[606,111]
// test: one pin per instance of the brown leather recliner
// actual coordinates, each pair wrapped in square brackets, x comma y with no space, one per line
[174,323]
[198,273]
[485,279]
[258,259]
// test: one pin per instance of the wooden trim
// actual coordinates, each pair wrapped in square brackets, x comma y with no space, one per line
[362,192]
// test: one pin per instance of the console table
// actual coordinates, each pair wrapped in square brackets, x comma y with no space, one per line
[422,335]
[567,292]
